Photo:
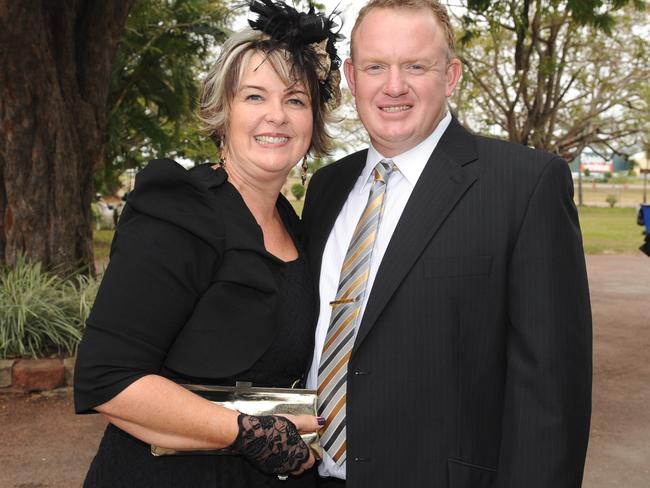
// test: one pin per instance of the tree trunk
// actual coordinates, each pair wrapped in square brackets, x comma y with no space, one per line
[56,58]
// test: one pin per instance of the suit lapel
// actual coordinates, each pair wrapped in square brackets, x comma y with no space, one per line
[446,177]
[334,192]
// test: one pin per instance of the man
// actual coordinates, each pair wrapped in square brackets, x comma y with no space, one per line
[453,347]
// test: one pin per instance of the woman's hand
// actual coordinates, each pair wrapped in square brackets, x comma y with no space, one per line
[306,424]
[273,442]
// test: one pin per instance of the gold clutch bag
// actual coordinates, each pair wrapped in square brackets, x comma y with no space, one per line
[255,401]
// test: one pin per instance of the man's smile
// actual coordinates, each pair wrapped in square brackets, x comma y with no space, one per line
[395,108]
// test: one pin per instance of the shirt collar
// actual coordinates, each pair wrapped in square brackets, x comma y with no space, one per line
[410,163]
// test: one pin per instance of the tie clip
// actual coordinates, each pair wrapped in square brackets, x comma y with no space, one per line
[341,301]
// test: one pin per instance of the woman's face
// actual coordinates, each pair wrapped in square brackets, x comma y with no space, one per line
[270,125]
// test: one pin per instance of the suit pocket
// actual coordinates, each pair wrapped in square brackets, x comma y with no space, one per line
[467,475]
[458,266]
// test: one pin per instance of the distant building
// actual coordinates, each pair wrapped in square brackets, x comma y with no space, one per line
[599,164]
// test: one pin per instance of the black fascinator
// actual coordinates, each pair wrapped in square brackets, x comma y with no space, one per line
[309,38]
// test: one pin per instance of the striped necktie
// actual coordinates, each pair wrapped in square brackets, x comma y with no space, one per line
[333,368]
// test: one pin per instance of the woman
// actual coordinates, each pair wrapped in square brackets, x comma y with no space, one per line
[207,283]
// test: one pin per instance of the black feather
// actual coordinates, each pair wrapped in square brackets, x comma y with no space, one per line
[294,31]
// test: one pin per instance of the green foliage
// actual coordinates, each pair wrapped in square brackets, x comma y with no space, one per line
[298,191]
[96,214]
[317,163]
[611,200]
[587,172]
[543,74]
[597,13]
[154,87]
[41,313]
[102,240]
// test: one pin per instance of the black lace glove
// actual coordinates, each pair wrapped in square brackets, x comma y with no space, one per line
[271,443]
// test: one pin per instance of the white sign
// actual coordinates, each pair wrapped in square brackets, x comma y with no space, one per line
[597,167]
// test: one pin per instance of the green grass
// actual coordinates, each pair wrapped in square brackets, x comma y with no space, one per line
[610,230]
[102,244]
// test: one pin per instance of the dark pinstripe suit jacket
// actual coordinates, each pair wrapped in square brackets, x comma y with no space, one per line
[472,364]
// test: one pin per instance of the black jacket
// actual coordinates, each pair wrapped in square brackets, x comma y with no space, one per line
[472,364]
[190,291]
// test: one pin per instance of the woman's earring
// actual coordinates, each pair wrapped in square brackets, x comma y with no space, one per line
[303,170]
[221,164]
[222,159]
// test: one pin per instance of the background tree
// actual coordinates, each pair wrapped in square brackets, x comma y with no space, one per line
[56,60]
[641,111]
[165,50]
[347,130]
[557,75]
[298,191]
[304,5]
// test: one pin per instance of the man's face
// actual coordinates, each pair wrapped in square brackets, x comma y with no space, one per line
[400,77]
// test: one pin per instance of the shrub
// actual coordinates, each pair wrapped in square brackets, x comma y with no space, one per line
[41,313]
[298,191]
[611,199]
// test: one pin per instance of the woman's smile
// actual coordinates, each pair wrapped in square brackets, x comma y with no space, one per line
[270,123]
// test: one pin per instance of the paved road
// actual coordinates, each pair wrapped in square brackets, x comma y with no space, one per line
[44,445]
[619,448]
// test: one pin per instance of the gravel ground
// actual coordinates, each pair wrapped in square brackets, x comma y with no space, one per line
[44,445]
[619,447]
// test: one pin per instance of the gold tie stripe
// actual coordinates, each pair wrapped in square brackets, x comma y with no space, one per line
[333,368]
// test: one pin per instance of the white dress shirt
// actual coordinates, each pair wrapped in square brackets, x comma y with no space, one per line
[398,191]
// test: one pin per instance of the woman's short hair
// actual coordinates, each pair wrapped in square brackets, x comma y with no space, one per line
[222,82]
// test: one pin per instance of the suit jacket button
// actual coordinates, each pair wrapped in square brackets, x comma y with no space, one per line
[359,373]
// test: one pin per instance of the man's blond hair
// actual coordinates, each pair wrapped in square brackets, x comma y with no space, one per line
[439,12]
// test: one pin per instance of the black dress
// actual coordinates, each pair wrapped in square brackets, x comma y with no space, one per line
[171,263]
